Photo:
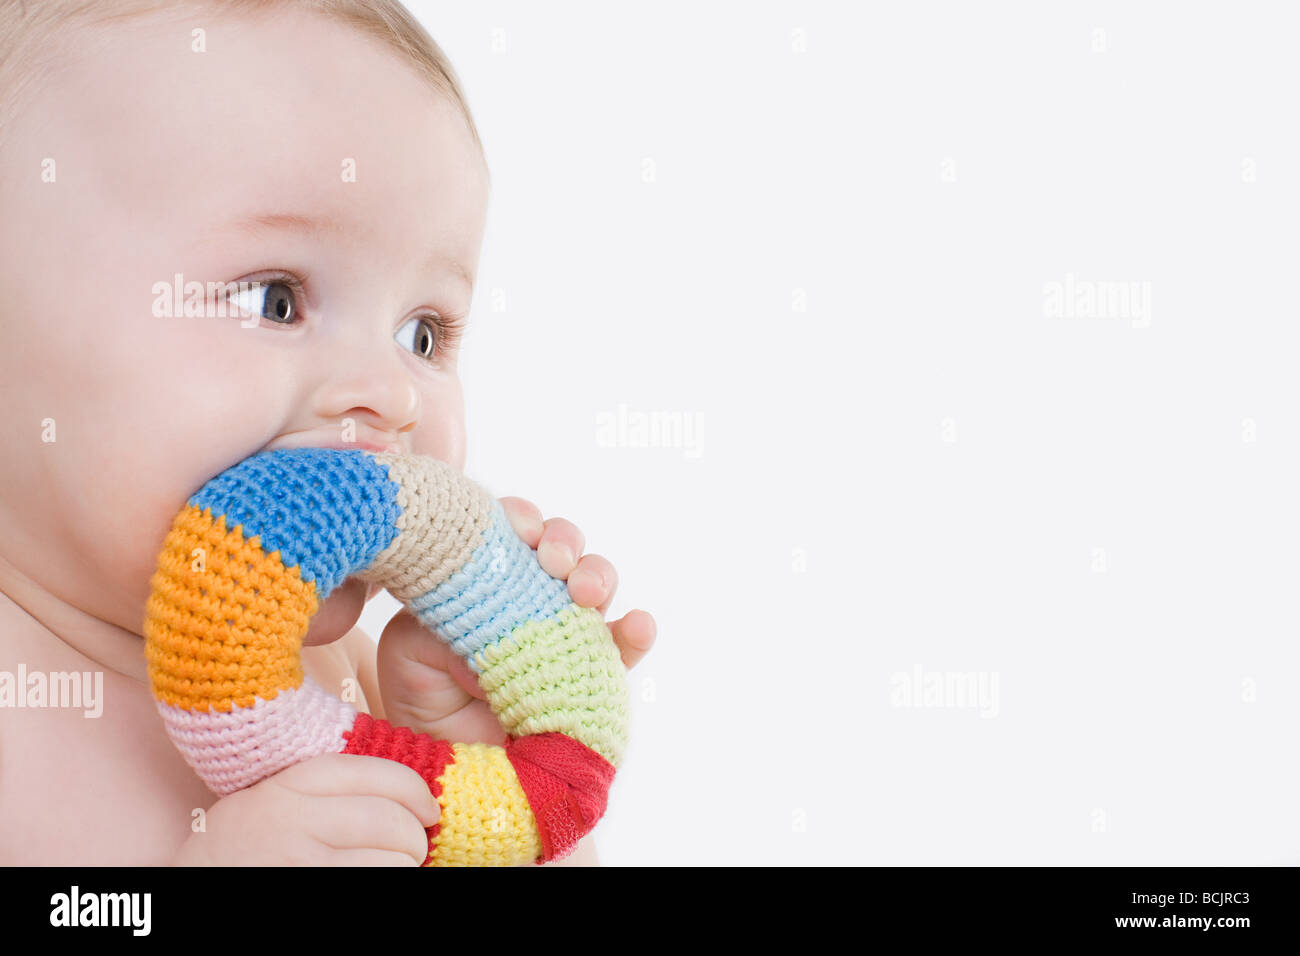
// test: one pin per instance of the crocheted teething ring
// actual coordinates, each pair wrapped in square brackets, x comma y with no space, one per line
[255,551]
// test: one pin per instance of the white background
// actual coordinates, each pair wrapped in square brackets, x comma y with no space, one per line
[823,232]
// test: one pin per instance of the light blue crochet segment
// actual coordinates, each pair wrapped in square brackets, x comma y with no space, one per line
[501,587]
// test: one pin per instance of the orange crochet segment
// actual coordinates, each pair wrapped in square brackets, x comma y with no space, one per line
[225,622]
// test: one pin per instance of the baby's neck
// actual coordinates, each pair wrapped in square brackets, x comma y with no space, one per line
[36,624]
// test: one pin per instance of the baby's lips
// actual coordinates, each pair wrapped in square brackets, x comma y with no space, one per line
[367,439]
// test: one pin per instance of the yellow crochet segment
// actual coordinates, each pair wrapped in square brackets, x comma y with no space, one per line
[486,820]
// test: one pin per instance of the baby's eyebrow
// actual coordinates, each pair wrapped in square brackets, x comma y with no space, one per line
[297,222]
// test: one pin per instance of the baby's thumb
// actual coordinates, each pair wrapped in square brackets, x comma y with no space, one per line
[406,639]
[465,678]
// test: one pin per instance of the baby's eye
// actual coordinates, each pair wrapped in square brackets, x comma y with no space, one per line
[272,300]
[420,335]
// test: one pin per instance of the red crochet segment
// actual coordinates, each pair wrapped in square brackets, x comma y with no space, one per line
[567,785]
[426,756]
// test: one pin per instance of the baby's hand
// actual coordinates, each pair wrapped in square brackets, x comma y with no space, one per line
[330,810]
[592,580]
[427,687]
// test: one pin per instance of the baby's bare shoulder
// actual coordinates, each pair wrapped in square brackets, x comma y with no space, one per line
[73,780]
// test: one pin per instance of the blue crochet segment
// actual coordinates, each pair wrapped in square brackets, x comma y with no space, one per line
[499,588]
[328,511]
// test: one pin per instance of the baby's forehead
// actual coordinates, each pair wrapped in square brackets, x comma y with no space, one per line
[283,91]
[274,113]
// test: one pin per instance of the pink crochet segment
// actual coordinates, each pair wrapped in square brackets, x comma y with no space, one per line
[235,750]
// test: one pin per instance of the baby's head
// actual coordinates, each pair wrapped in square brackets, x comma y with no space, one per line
[320,150]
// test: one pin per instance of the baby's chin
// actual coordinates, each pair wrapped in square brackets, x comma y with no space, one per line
[338,614]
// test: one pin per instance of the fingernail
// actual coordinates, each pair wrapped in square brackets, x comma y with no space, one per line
[561,554]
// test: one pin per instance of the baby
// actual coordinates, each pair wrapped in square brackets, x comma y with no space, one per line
[314,168]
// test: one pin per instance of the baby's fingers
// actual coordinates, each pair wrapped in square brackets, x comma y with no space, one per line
[525,517]
[366,823]
[634,633]
[593,583]
[561,545]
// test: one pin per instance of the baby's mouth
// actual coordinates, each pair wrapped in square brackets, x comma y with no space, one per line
[373,442]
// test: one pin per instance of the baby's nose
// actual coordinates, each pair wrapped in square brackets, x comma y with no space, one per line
[372,380]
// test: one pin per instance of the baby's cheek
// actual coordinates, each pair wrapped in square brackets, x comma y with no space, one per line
[440,432]
[121,487]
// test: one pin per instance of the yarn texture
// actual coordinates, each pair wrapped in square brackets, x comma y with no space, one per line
[245,567]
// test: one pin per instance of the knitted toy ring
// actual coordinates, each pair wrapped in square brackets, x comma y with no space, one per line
[255,551]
